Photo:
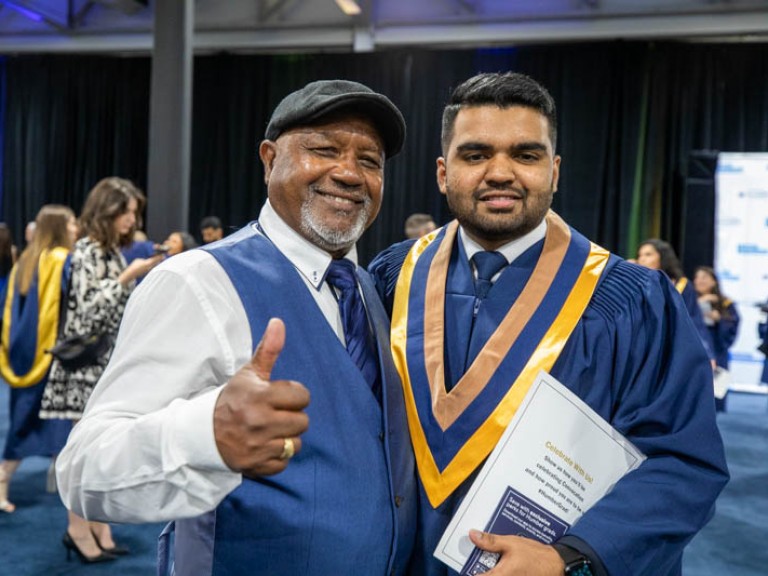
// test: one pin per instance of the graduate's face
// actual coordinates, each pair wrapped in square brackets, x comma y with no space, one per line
[326,180]
[649,257]
[499,172]
[704,282]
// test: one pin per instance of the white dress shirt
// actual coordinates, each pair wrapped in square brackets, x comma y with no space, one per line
[145,449]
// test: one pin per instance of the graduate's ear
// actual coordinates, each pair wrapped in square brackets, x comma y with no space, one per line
[441,174]
[267,153]
[555,172]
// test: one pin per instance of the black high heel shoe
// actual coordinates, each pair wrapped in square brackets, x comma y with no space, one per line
[71,546]
[115,550]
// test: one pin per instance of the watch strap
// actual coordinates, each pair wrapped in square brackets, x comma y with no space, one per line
[576,563]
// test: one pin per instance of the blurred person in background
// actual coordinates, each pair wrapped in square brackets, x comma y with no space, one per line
[719,313]
[138,247]
[659,255]
[7,255]
[178,242]
[211,229]
[30,321]
[417,225]
[762,332]
[29,232]
[100,285]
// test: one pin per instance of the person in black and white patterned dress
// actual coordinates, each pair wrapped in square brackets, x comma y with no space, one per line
[101,283]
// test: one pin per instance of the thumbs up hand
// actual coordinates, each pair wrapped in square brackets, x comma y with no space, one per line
[255,418]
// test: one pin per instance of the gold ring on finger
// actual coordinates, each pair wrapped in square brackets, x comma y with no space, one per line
[288,449]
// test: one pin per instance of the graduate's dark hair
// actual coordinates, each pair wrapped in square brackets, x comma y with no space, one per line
[722,303]
[668,260]
[503,90]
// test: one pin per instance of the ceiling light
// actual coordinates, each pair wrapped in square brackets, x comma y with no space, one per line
[349,7]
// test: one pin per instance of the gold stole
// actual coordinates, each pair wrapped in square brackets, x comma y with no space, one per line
[49,271]
[447,407]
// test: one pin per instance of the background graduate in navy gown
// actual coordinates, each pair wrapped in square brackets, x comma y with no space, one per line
[30,316]
[719,313]
[659,255]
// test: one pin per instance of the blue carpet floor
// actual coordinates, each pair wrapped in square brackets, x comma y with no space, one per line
[30,538]
[734,543]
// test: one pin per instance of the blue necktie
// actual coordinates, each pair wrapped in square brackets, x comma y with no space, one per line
[341,275]
[487,265]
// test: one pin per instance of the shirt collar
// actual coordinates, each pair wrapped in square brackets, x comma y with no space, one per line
[510,250]
[310,260]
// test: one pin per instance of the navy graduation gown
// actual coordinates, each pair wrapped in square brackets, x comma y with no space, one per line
[636,359]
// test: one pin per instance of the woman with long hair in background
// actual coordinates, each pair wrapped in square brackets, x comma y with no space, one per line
[720,314]
[659,255]
[100,285]
[30,313]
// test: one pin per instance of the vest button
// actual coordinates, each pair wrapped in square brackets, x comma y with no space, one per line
[398,501]
[381,436]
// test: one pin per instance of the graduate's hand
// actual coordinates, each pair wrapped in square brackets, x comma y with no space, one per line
[254,414]
[519,556]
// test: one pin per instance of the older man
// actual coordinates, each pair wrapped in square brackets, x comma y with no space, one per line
[293,459]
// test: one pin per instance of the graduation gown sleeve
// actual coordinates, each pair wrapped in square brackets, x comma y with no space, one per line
[636,359]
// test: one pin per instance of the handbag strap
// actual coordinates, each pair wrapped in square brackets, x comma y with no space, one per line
[66,284]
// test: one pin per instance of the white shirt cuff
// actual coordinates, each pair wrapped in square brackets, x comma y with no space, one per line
[192,436]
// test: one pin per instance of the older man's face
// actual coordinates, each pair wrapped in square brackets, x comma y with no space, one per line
[326,180]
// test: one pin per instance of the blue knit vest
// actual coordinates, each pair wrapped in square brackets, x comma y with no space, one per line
[346,503]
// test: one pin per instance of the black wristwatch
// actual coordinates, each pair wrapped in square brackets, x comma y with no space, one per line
[576,563]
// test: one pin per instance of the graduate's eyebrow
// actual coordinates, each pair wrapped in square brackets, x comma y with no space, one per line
[473,147]
[532,146]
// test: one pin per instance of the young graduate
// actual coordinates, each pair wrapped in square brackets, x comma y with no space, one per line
[507,289]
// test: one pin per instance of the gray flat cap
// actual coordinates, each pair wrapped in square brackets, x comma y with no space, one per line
[318,99]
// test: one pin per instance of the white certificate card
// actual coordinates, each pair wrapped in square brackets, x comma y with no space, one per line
[556,458]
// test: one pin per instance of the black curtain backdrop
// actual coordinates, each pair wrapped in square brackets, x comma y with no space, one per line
[698,233]
[2,130]
[630,114]
[70,121]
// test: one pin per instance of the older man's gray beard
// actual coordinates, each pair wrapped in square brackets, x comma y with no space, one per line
[329,238]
